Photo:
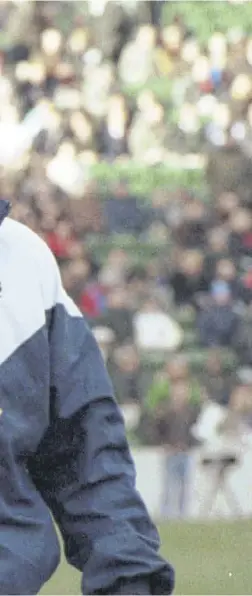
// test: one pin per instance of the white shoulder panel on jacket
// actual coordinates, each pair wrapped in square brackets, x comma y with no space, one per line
[31,253]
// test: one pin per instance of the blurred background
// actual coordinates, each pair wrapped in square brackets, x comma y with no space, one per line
[126,144]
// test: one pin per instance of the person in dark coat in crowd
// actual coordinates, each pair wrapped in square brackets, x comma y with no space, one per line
[127,375]
[218,322]
[217,382]
[123,214]
[188,280]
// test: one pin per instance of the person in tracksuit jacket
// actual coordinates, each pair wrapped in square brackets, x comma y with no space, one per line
[63,450]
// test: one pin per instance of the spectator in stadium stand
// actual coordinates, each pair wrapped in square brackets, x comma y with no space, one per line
[240,238]
[92,299]
[218,322]
[229,170]
[226,204]
[216,249]
[239,414]
[113,271]
[192,233]
[111,27]
[155,329]
[126,372]
[113,135]
[242,342]
[187,279]
[61,240]
[98,84]
[106,340]
[137,281]
[136,62]
[218,382]
[122,212]
[175,370]
[226,271]
[77,274]
[168,207]
[118,314]
[173,420]
[147,137]
[63,441]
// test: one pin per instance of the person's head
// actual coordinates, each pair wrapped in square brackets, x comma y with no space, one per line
[64,229]
[171,37]
[217,240]
[75,250]
[116,104]
[78,41]
[145,100]
[189,120]
[117,115]
[194,210]
[192,262]
[190,50]
[146,37]
[48,217]
[227,203]
[241,88]
[225,270]
[37,73]
[80,269]
[221,294]
[150,306]
[117,299]
[217,44]
[81,127]
[127,359]
[241,221]
[113,273]
[117,257]
[222,116]
[155,114]
[51,41]
[177,368]
[201,70]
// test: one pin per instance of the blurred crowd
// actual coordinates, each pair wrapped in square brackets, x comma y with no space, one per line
[165,281]
[102,79]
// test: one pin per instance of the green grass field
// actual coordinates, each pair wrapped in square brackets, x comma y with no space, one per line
[213,558]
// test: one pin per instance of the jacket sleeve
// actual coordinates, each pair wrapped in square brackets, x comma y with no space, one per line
[83,467]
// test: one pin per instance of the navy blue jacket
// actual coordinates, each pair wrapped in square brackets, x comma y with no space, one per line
[63,449]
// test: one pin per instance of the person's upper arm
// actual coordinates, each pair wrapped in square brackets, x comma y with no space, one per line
[74,353]
[84,469]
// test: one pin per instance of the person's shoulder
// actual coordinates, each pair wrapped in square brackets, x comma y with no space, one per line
[15,231]
[22,239]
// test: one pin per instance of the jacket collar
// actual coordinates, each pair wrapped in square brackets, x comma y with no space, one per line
[4,209]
